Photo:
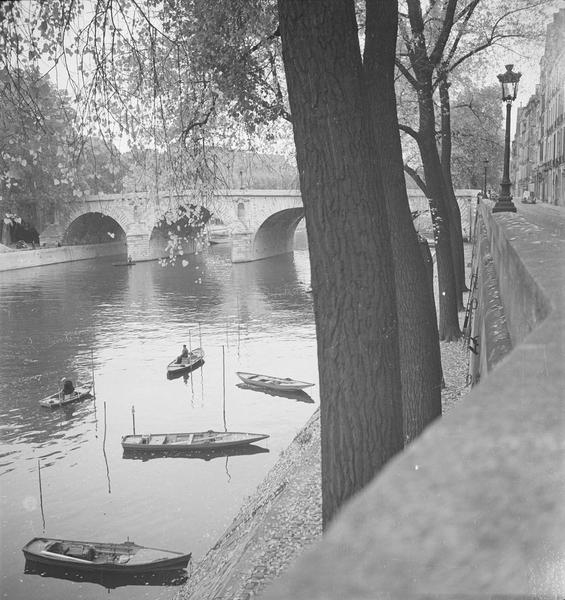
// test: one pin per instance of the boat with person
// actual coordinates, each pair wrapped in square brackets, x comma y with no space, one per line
[184,364]
[126,557]
[198,441]
[61,398]
[269,382]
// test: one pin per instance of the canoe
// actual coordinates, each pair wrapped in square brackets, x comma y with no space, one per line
[194,359]
[55,400]
[273,383]
[125,557]
[198,440]
[124,264]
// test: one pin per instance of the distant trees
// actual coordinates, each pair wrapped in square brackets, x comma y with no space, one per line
[477,135]
[34,166]
[44,162]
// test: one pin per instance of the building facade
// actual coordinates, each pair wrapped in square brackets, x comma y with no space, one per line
[538,165]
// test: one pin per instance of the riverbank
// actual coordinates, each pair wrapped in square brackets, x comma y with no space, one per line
[23,259]
[284,516]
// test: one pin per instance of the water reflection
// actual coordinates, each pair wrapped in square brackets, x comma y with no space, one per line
[107,580]
[144,455]
[298,395]
[126,324]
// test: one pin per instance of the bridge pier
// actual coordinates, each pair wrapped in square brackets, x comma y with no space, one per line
[242,247]
[247,247]
[138,246]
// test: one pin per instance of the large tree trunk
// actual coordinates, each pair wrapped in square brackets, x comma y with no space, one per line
[456,231]
[350,254]
[420,360]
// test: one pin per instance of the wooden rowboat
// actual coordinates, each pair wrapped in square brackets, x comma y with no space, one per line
[194,359]
[58,399]
[125,557]
[273,383]
[197,441]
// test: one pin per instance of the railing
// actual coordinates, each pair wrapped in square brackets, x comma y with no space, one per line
[475,506]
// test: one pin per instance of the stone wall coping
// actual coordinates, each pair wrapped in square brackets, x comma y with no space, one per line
[475,507]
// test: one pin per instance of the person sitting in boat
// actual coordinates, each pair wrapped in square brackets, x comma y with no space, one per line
[130,260]
[68,387]
[183,355]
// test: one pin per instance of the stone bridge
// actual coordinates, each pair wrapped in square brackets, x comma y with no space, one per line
[260,223]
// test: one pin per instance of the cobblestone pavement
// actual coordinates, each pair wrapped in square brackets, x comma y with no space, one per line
[284,516]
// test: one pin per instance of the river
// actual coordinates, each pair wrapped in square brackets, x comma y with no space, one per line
[63,472]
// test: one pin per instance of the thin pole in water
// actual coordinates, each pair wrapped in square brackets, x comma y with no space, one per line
[92,363]
[104,451]
[133,417]
[200,333]
[224,385]
[40,493]
[189,342]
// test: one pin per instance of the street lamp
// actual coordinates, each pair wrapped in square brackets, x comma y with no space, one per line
[485,162]
[509,81]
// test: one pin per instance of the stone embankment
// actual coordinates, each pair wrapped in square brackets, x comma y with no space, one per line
[284,516]
[22,259]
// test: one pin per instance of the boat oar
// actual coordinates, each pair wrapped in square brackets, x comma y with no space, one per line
[133,417]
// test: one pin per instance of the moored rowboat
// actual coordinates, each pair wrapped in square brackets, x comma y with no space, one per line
[125,557]
[273,383]
[59,399]
[198,441]
[193,360]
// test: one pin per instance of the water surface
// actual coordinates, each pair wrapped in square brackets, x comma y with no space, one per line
[63,472]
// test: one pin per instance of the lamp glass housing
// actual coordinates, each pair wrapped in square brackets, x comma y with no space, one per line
[509,81]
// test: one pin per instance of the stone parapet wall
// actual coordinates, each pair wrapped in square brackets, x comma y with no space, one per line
[474,507]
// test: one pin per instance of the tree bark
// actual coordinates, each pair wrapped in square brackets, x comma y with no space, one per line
[350,253]
[420,360]
[456,231]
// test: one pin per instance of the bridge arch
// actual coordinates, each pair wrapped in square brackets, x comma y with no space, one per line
[114,212]
[274,236]
[93,228]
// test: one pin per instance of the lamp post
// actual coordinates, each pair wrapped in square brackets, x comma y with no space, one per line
[485,162]
[509,81]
